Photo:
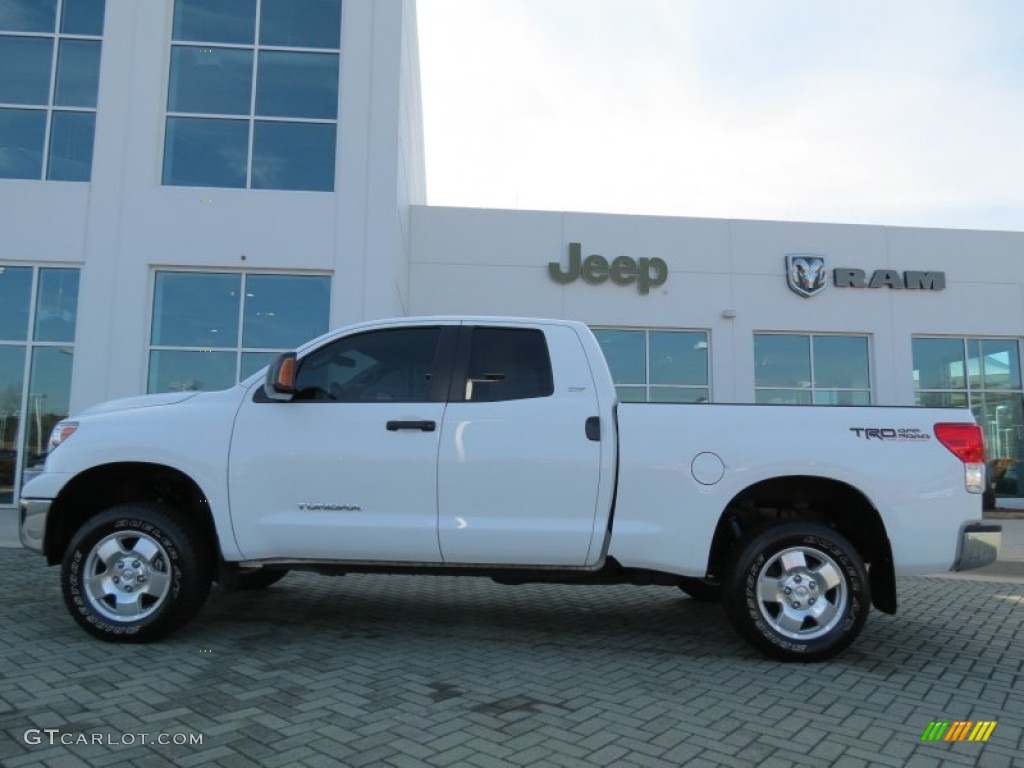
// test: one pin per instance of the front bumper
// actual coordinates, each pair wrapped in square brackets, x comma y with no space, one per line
[32,528]
[978,546]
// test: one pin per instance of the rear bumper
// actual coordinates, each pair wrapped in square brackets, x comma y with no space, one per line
[978,546]
[32,527]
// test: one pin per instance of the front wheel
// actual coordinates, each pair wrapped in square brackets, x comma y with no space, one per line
[134,573]
[798,592]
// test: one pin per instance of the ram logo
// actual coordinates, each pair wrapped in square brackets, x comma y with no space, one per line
[806,274]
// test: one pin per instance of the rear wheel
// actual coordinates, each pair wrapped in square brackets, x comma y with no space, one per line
[134,573]
[798,592]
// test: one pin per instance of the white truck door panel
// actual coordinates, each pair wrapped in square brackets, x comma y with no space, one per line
[347,470]
[518,477]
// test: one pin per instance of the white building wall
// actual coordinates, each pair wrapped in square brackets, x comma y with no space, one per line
[124,223]
[496,262]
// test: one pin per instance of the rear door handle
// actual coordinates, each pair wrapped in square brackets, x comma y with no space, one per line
[422,426]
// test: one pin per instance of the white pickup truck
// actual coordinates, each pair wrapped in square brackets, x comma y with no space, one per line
[497,447]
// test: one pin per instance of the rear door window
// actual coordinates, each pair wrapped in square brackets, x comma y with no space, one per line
[507,364]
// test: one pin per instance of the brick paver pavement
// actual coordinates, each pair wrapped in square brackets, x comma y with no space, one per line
[435,671]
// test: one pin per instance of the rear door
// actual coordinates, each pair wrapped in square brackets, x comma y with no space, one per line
[518,475]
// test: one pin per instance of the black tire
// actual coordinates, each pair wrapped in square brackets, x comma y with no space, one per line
[259,578]
[828,596]
[135,573]
[701,590]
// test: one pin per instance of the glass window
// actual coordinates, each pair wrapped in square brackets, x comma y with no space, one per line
[212,80]
[985,375]
[284,311]
[28,15]
[301,23]
[215,21]
[12,368]
[196,341]
[293,156]
[26,63]
[657,366]
[27,337]
[782,360]
[196,309]
[292,82]
[15,297]
[205,153]
[82,17]
[33,76]
[56,305]
[811,369]
[508,364]
[71,141]
[392,366]
[22,133]
[178,371]
[78,73]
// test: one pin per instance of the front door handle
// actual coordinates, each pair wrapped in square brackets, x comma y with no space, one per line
[422,426]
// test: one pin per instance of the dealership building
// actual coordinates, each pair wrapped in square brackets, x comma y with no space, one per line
[189,187]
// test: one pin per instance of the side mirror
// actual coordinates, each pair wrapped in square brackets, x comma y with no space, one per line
[280,383]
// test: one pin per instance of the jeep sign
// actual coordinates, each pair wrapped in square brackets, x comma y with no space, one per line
[623,270]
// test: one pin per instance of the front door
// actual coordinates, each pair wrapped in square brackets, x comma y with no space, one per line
[346,470]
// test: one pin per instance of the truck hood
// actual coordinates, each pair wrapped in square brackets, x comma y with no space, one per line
[140,401]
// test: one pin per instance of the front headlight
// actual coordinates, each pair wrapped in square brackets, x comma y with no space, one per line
[61,432]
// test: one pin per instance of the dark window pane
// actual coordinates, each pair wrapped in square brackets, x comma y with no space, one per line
[205,153]
[626,353]
[57,305]
[841,361]
[71,140]
[83,17]
[174,371]
[195,309]
[26,63]
[78,73]
[294,156]
[781,361]
[254,361]
[379,367]
[301,23]
[15,295]
[939,364]
[1001,364]
[783,397]
[48,397]
[12,369]
[215,21]
[508,364]
[297,85]
[678,358]
[283,311]
[678,395]
[210,80]
[22,133]
[28,15]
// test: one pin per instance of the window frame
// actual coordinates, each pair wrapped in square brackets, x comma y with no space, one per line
[51,108]
[251,118]
[237,349]
[813,389]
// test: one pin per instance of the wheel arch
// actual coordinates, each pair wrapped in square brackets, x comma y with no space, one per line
[106,485]
[820,499]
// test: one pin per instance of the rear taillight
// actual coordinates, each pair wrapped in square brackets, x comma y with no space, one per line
[964,441]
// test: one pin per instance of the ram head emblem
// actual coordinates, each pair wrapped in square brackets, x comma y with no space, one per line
[806,274]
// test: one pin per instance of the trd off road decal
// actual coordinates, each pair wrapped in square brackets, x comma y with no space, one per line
[900,435]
